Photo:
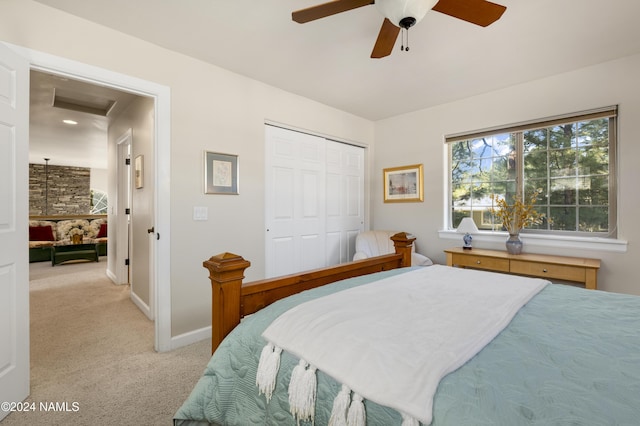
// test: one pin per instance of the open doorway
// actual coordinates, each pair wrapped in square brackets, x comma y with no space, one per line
[20,61]
[80,125]
[160,168]
[84,293]
[161,95]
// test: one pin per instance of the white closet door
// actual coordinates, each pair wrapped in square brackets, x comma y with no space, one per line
[314,201]
[345,200]
[295,204]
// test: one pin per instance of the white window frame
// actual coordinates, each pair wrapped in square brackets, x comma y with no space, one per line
[549,239]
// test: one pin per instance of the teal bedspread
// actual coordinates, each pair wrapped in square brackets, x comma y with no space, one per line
[569,357]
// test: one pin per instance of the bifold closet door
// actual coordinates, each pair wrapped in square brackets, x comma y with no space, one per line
[295,205]
[345,200]
[309,208]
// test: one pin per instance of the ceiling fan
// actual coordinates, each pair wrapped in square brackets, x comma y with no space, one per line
[404,14]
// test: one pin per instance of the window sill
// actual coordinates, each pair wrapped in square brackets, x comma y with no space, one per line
[544,241]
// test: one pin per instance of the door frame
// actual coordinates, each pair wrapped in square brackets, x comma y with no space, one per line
[161,258]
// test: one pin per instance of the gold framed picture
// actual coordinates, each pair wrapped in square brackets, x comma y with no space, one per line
[403,184]
[138,171]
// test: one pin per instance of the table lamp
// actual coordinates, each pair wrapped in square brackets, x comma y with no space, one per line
[467,227]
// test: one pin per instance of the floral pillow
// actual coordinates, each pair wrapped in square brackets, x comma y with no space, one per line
[67,228]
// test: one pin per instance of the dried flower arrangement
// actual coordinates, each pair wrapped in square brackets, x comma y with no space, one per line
[516,216]
[75,231]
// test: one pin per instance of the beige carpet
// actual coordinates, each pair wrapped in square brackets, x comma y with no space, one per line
[90,345]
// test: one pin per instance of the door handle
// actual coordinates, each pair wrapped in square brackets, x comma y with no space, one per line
[152,230]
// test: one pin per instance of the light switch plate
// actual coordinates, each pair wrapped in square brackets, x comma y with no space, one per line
[200,213]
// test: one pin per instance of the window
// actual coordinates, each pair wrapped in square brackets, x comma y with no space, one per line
[569,159]
[98,202]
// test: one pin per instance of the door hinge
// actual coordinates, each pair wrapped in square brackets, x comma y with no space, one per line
[127,161]
[127,211]
[126,262]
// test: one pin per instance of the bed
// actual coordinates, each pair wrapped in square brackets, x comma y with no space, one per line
[567,356]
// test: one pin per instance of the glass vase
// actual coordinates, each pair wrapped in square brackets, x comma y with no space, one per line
[514,245]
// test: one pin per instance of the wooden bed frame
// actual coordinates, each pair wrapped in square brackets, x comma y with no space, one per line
[231,299]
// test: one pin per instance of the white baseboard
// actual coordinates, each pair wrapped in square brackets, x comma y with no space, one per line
[141,305]
[111,276]
[190,337]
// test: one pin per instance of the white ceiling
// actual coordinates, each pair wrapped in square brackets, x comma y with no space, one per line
[328,60]
[81,145]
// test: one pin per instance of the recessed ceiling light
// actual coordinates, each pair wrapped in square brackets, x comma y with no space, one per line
[69,122]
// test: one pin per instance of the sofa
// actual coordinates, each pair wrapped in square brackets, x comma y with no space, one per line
[49,232]
[377,243]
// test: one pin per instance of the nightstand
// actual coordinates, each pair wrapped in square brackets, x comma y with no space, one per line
[573,269]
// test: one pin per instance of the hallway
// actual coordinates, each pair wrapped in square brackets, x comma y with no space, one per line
[92,351]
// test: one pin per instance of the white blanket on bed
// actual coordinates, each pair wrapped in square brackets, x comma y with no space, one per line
[393,340]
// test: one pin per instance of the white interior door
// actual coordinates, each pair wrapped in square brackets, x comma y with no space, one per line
[14,216]
[295,203]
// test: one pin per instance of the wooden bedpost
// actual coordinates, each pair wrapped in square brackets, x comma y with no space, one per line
[403,243]
[226,272]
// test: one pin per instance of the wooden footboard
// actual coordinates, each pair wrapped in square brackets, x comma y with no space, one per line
[232,299]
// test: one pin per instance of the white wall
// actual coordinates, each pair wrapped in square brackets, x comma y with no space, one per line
[418,137]
[211,109]
[98,179]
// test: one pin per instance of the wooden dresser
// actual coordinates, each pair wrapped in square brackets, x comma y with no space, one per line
[573,269]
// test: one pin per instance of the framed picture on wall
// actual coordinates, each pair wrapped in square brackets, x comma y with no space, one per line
[403,184]
[220,173]
[138,171]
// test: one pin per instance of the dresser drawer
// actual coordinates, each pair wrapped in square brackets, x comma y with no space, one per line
[559,268]
[548,270]
[481,262]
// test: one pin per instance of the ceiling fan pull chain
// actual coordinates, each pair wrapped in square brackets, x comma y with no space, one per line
[403,34]
[407,49]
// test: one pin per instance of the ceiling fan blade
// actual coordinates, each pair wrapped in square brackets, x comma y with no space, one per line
[386,39]
[327,9]
[479,12]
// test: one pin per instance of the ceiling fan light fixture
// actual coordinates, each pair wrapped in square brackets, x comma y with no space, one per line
[404,13]
[407,22]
